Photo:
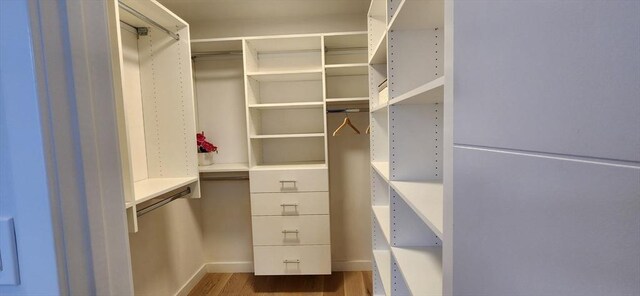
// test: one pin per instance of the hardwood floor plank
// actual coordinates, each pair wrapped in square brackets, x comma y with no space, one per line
[210,284]
[354,284]
[333,285]
[236,283]
[367,277]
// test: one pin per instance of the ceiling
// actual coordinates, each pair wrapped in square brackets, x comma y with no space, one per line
[215,10]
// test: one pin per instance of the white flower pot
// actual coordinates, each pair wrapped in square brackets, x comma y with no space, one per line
[205,158]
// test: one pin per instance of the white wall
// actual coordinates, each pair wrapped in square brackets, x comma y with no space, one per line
[24,190]
[546,190]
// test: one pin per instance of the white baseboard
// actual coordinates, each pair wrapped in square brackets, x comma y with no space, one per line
[354,265]
[193,281]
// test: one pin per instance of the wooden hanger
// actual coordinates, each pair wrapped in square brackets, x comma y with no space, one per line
[346,122]
[368,131]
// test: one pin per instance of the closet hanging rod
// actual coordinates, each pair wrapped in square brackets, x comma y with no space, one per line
[143,17]
[349,110]
[224,178]
[164,201]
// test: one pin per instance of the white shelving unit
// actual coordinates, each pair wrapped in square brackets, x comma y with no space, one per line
[156,113]
[406,48]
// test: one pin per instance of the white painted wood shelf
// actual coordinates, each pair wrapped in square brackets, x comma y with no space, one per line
[290,166]
[347,69]
[286,75]
[150,188]
[418,14]
[286,136]
[426,199]
[421,268]
[380,107]
[383,263]
[296,105]
[224,167]
[429,93]
[382,168]
[382,215]
[363,100]
[379,55]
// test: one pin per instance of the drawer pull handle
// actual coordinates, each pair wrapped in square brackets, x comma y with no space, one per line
[293,261]
[285,232]
[290,187]
[284,205]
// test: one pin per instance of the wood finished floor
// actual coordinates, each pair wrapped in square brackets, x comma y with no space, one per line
[348,283]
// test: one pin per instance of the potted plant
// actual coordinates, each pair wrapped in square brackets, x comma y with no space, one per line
[205,150]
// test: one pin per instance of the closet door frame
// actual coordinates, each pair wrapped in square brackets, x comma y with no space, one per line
[78,117]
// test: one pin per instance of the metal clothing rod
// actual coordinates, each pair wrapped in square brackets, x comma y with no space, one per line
[349,110]
[164,201]
[143,17]
[225,178]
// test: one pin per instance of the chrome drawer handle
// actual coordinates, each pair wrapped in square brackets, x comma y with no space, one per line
[284,205]
[293,261]
[285,232]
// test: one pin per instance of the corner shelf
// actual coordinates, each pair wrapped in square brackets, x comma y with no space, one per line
[383,263]
[148,189]
[426,199]
[224,168]
[421,268]
[382,168]
[428,93]
[382,215]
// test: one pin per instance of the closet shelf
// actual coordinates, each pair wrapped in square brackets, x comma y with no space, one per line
[147,189]
[291,166]
[379,55]
[428,93]
[418,14]
[285,136]
[347,69]
[364,100]
[224,167]
[379,107]
[426,199]
[383,263]
[421,268]
[287,75]
[383,217]
[300,105]
[382,168]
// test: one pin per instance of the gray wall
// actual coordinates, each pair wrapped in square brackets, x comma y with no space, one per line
[546,162]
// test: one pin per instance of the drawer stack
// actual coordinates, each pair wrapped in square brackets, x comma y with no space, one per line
[290,221]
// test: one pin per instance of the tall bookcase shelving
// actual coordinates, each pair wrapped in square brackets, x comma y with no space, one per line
[406,52]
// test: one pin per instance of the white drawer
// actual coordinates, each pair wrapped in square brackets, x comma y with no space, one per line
[289,180]
[291,230]
[277,260]
[283,204]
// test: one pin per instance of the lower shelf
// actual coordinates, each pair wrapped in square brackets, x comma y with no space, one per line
[382,215]
[147,189]
[383,264]
[224,167]
[421,268]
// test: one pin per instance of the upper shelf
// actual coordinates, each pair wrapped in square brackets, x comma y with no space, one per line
[287,75]
[287,136]
[216,45]
[283,44]
[147,189]
[428,93]
[426,199]
[381,213]
[300,105]
[291,166]
[382,167]
[418,14]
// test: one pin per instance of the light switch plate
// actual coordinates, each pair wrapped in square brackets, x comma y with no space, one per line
[9,273]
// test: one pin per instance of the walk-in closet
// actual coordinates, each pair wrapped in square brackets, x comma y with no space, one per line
[308,148]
